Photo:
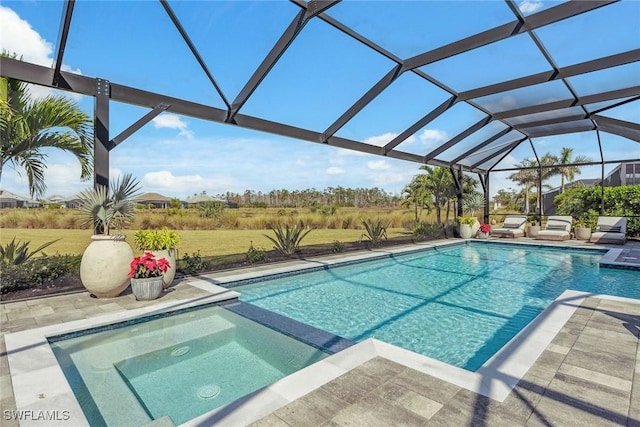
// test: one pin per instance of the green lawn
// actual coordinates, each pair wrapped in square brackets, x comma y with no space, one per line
[208,242]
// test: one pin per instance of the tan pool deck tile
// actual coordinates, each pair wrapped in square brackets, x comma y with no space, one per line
[588,375]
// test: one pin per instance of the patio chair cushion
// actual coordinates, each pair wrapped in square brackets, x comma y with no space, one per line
[511,225]
[609,228]
[556,227]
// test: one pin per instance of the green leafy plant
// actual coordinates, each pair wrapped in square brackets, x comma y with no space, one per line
[287,239]
[375,231]
[256,255]
[37,272]
[111,208]
[337,246]
[194,263]
[17,252]
[469,220]
[211,209]
[156,240]
[423,230]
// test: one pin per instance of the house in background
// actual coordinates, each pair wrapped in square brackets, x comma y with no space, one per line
[623,174]
[11,200]
[72,202]
[154,200]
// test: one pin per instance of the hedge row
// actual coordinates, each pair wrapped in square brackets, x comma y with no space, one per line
[618,201]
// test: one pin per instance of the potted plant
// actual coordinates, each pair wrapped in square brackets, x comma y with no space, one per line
[146,276]
[162,243]
[483,231]
[534,228]
[466,226]
[104,268]
[581,229]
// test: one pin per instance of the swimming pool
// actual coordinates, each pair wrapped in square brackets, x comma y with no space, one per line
[458,304]
[182,365]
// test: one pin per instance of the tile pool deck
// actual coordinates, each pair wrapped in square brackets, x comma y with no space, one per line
[587,372]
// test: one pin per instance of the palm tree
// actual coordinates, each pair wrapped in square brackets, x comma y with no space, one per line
[525,177]
[569,172]
[417,194]
[440,184]
[28,126]
[548,169]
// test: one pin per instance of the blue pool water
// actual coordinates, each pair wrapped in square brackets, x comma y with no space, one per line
[182,366]
[458,304]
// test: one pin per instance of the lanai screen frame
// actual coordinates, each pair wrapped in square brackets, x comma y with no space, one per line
[104,91]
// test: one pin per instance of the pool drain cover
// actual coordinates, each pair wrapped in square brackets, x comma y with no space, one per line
[208,391]
[180,351]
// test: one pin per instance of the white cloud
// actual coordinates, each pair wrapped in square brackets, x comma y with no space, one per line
[169,121]
[508,162]
[333,170]
[167,182]
[378,165]
[172,121]
[433,136]
[187,134]
[385,179]
[530,6]
[18,37]
[381,140]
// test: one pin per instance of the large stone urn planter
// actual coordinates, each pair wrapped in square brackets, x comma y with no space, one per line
[105,265]
[583,233]
[170,255]
[466,231]
[533,230]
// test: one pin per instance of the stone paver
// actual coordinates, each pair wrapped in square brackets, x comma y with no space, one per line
[592,381]
[588,375]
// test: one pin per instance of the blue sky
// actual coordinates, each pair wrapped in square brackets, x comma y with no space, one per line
[317,79]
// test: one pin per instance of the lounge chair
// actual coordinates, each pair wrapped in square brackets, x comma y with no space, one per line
[610,229]
[513,227]
[557,228]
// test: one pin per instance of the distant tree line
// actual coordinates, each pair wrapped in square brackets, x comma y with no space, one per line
[308,198]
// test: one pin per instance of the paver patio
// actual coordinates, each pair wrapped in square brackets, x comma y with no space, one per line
[588,375]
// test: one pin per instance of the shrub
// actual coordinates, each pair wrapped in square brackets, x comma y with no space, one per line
[618,201]
[211,209]
[229,220]
[37,272]
[374,231]
[469,220]
[16,252]
[337,247]
[287,239]
[156,240]
[194,263]
[423,231]
[256,255]
[10,220]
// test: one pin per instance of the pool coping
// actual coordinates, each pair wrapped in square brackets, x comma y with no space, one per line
[31,358]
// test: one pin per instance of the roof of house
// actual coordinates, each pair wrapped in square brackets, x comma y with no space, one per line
[152,197]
